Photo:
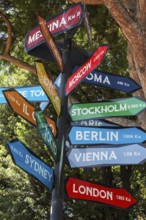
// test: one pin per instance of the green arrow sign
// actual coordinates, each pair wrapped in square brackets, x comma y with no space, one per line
[115,108]
[46,133]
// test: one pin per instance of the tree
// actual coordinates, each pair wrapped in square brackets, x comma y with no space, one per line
[129,15]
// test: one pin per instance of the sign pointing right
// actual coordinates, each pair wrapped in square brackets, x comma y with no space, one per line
[109,80]
[114,108]
[107,156]
[110,135]
[89,191]
[86,68]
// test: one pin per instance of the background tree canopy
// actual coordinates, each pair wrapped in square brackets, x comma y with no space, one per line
[121,24]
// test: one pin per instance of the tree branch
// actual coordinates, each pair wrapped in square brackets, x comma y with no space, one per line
[9,29]
[141,9]
[121,15]
[88,2]
[18,63]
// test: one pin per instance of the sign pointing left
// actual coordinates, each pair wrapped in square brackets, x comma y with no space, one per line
[89,191]
[23,158]
[22,107]
[50,42]
[31,93]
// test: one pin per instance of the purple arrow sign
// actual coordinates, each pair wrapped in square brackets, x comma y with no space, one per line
[108,156]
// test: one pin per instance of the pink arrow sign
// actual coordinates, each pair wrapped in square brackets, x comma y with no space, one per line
[86,68]
[80,189]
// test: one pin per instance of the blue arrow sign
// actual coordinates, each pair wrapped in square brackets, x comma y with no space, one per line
[109,80]
[122,135]
[108,156]
[28,161]
[31,93]
[94,122]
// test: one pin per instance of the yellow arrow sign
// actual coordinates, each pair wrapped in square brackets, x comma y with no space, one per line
[48,87]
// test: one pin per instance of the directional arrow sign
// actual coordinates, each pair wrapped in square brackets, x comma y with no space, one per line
[46,133]
[86,68]
[94,122]
[22,107]
[119,107]
[109,80]
[48,86]
[30,163]
[64,21]
[88,135]
[107,156]
[89,191]
[32,93]
[50,42]
[56,84]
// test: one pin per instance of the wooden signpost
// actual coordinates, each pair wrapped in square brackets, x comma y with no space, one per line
[86,113]
[50,42]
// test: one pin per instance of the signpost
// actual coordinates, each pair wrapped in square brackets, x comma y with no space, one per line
[89,191]
[50,42]
[48,87]
[114,108]
[107,156]
[22,107]
[92,135]
[30,163]
[86,68]
[62,22]
[58,191]
[94,123]
[38,41]
[46,133]
[56,84]
[31,93]
[109,80]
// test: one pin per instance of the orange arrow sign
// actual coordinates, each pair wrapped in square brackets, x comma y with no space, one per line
[48,86]
[50,42]
[22,107]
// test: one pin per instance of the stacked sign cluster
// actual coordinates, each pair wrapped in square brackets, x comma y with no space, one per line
[122,146]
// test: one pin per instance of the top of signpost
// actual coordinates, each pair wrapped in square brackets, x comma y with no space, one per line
[62,22]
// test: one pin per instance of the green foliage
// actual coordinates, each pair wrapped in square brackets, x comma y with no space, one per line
[21,196]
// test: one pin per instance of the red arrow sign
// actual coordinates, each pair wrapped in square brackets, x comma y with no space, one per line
[86,68]
[64,21]
[80,189]
[21,106]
